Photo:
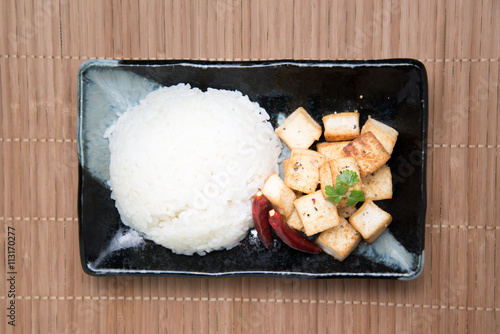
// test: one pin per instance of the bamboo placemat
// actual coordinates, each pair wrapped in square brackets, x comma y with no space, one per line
[43,43]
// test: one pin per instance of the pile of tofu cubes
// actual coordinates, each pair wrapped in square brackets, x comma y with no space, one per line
[301,197]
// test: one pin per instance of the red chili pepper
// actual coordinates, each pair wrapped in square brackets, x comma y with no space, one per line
[260,214]
[291,237]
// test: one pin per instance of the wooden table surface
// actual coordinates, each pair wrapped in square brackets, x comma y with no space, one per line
[42,44]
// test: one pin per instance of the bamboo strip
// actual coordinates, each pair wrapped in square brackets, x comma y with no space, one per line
[389,305]
[204,305]
[322,315]
[195,33]
[5,29]
[5,286]
[255,31]
[178,34]
[6,114]
[360,311]
[162,310]
[87,57]
[196,311]
[211,28]
[496,210]
[5,169]
[373,315]
[213,310]
[310,290]
[134,22]
[143,31]
[54,233]
[396,294]
[274,24]
[175,310]
[228,290]
[237,29]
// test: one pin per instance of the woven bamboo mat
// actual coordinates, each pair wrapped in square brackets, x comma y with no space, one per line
[43,43]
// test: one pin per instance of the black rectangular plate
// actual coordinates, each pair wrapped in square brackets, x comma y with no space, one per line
[393,91]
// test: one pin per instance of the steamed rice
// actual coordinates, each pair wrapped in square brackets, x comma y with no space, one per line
[186,163]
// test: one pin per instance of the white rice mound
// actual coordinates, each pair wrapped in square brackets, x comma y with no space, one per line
[185,165]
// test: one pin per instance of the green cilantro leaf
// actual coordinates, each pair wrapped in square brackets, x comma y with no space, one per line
[340,188]
[335,194]
[335,199]
[330,191]
[344,180]
[348,177]
[355,197]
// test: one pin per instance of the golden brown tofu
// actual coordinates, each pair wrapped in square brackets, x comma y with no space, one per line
[285,165]
[370,221]
[384,133]
[299,130]
[341,126]
[302,172]
[280,196]
[325,177]
[295,222]
[316,213]
[337,167]
[378,186]
[332,150]
[368,152]
[339,241]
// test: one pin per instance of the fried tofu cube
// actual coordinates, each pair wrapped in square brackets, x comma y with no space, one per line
[332,150]
[383,132]
[316,213]
[370,221]
[339,241]
[285,165]
[325,177]
[378,186]
[346,211]
[299,130]
[337,167]
[302,173]
[341,126]
[295,222]
[368,152]
[280,196]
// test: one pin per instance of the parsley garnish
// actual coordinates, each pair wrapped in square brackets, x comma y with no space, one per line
[345,179]
[348,177]
[355,197]
[333,195]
